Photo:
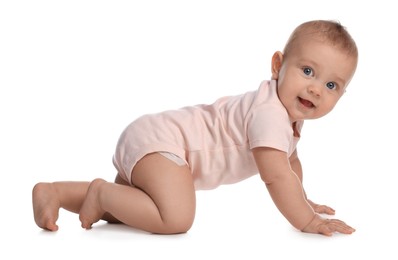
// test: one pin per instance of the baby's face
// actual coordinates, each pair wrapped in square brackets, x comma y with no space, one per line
[313,78]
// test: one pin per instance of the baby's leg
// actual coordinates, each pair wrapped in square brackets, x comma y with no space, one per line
[162,200]
[47,198]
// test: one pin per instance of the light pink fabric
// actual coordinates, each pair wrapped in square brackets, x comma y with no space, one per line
[215,140]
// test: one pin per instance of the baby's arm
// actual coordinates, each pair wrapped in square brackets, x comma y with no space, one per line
[296,167]
[288,195]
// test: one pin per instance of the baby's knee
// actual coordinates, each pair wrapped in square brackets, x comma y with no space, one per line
[177,224]
[41,188]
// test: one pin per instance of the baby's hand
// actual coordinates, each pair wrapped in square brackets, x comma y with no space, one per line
[321,209]
[327,227]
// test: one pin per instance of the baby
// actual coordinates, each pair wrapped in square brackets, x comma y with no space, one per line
[162,159]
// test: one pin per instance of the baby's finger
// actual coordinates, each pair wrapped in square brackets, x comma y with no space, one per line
[323,209]
[336,225]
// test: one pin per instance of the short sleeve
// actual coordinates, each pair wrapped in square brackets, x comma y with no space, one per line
[269,126]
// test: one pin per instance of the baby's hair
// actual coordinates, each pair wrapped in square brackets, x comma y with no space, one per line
[330,31]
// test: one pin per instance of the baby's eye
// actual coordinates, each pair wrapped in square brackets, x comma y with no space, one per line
[307,71]
[331,85]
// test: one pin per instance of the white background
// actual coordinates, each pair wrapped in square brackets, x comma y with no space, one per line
[73,74]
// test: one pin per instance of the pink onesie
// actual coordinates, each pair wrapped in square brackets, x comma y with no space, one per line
[214,140]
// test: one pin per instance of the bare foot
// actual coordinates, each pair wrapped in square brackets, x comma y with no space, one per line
[45,206]
[91,211]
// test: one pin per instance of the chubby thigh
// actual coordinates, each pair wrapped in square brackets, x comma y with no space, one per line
[171,188]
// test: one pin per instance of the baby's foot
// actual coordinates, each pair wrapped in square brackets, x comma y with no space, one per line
[45,206]
[91,211]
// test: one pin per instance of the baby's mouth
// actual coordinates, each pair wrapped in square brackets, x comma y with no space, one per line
[306,102]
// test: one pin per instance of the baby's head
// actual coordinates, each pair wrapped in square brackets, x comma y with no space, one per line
[316,66]
[329,32]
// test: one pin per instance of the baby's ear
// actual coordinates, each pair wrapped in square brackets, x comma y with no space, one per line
[276,64]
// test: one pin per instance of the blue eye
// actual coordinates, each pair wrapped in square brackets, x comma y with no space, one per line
[307,71]
[330,85]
